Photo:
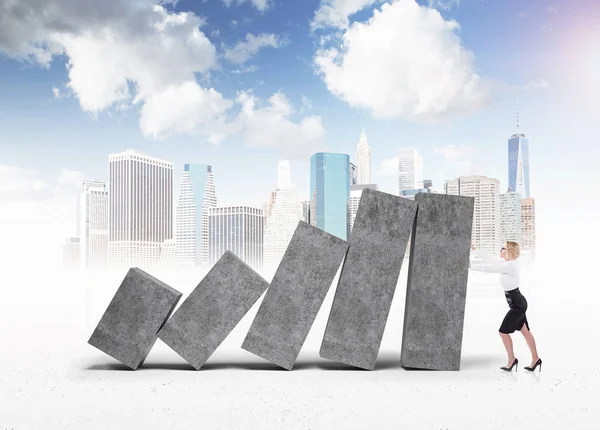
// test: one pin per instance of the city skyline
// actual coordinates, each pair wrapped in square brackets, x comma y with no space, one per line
[57,128]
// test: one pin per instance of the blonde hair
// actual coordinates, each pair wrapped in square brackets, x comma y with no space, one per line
[513,250]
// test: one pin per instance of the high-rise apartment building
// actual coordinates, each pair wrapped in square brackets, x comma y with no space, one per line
[511,225]
[518,164]
[528,223]
[196,196]
[140,208]
[239,229]
[330,192]
[410,170]
[93,225]
[486,233]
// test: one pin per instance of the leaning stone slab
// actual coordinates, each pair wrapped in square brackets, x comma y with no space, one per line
[213,309]
[437,282]
[368,279]
[128,329]
[297,291]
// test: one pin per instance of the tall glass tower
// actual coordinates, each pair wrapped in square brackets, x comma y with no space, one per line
[518,164]
[330,192]
[196,196]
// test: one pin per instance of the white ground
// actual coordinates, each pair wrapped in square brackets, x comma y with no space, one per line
[51,378]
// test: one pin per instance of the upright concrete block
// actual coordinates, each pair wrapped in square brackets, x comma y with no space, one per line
[437,282]
[213,309]
[128,329]
[297,291]
[368,280]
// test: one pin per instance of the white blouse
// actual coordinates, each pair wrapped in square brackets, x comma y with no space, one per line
[510,272]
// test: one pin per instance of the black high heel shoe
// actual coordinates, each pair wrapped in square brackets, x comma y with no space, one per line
[537,363]
[514,363]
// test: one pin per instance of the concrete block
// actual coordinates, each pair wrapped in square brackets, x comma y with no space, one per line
[128,329]
[297,291]
[368,279]
[213,309]
[437,282]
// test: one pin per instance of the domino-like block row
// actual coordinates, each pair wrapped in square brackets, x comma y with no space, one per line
[435,299]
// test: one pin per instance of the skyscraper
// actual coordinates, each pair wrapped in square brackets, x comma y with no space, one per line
[528,222]
[196,196]
[167,254]
[71,253]
[93,224]
[410,170]
[285,211]
[363,160]
[239,229]
[518,162]
[355,195]
[486,233]
[306,211]
[141,208]
[330,192]
[352,173]
[511,224]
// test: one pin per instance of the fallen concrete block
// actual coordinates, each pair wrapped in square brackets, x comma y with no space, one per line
[128,329]
[368,279]
[437,282]
[213,309]
[297,291]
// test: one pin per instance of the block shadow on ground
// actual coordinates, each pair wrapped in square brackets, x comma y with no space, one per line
[472,362]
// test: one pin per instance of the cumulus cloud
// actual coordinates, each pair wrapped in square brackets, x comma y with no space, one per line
[120,52]
[406,62]
[272,126]
[261,5]
[336,13]
[243,50]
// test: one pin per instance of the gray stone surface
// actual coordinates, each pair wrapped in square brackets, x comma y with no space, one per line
[437,282]
[297,291]
[213,309]
[128,329]
[368,280]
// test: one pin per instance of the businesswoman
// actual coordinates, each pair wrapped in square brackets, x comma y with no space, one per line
[515,318]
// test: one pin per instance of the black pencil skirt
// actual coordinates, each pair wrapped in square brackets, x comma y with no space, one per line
[515,317]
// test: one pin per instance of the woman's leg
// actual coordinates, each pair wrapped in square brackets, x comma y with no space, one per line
[508,345]
[530,343]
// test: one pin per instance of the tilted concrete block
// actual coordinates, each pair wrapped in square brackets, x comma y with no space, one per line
[368,279]
[437,282]
[128,329]
[297,291]
[213,309]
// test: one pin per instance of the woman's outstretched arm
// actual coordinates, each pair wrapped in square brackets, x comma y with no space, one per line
[491,265]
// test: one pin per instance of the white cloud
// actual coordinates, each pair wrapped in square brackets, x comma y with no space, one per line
[19,184]
[306,103]
[56,92]
[120,53]
[336,13]
[389,166]
[184,109]
[444,4]
[271,126]
[261,5]
[455,152]
[405,62]
[243,50]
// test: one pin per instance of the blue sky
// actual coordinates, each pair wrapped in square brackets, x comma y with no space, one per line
[64,108]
